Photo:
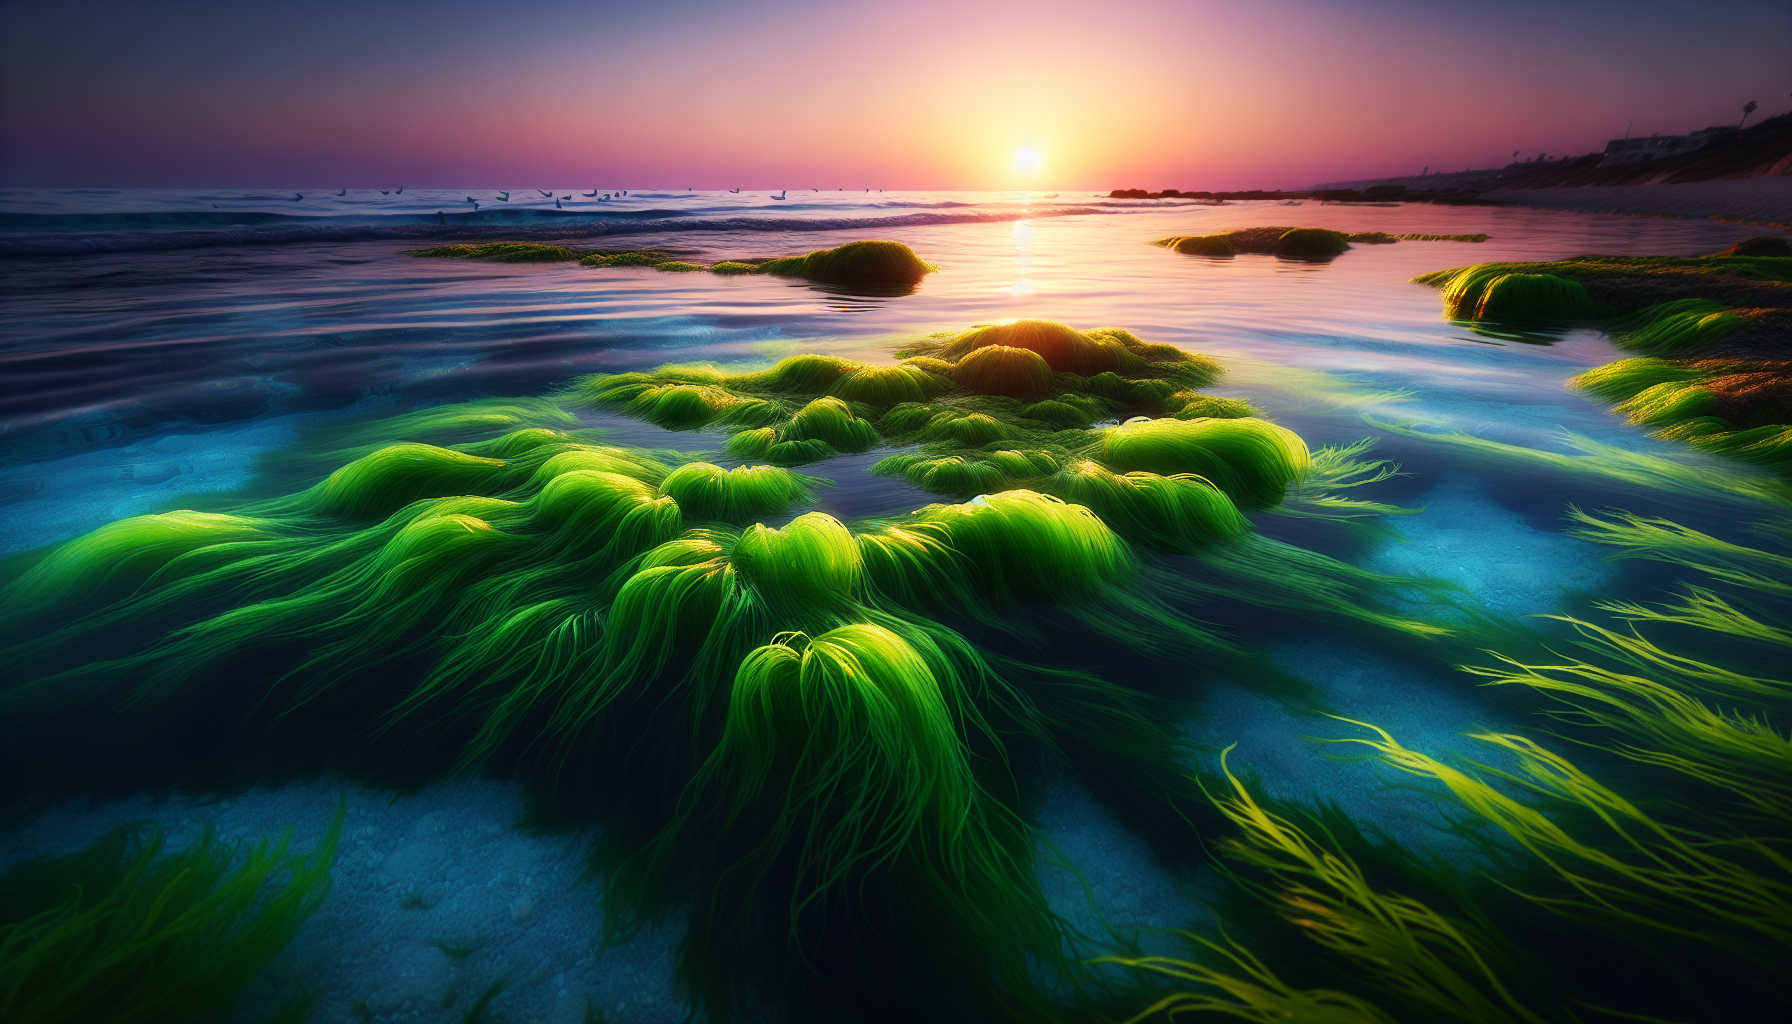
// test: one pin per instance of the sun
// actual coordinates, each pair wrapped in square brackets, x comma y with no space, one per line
[1025,160]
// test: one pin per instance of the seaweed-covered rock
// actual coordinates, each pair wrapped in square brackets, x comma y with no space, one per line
[873,262]
[1294,243]
[1310,243]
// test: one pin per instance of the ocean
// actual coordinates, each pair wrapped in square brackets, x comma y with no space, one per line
[169,349]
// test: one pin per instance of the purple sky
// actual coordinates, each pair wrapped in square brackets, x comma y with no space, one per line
[1280,93]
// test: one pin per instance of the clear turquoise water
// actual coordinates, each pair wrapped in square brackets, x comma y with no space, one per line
[140,364]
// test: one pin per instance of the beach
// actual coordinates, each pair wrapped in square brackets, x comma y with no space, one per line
[1764,200]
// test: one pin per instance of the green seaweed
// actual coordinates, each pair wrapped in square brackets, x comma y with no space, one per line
[1311,243]
[706,491]
[1664,307]
[642,258]
[1252,460]
[776,724]
[503,252]
[873,262]
[1200,245]
[1002,370]
[124,931]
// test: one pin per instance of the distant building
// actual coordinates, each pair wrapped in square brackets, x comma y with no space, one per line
[1630,151]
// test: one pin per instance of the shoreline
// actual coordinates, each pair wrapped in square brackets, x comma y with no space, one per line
[1766,201]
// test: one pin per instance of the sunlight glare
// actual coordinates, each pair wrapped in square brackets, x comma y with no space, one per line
[1025,160]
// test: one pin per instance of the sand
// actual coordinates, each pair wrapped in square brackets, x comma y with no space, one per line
[1765,201]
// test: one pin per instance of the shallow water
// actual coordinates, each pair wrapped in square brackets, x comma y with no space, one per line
[144,364]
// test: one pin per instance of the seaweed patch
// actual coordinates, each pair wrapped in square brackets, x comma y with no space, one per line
[1715,331]
[798,728]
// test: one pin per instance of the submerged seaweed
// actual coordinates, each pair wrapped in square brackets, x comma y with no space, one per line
[124,931]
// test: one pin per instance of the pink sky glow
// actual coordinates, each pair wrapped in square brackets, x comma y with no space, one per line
[1210,95]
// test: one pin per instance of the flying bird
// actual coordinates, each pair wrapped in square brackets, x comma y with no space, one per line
[780,195]
[504,196]
[296,197]
[401,190]
[545,194]
[567,198]
[556,204]
[590,194]
[342,191]
[384,192]
[734,190]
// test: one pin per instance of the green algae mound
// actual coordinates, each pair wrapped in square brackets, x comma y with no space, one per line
[1311,243]
[1716,333]
[1201,245]
[873,262]
[1290,242]
[1293,243]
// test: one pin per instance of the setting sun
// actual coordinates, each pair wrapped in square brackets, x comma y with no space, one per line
[1025,160]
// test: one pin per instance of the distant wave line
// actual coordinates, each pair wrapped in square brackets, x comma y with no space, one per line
[513,224]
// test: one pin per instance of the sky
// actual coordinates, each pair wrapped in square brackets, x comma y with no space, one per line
[1199,94]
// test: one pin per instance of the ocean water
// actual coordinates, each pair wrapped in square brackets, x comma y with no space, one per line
[158,347]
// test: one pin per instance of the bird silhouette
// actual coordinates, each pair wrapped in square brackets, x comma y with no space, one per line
[589,194]
[780,195]
[401,190]
[342,191]
[567,198]
[441,218]
[385,192]
[545,194]
[296,197]
[470,199]
[504,196]
[556,204]
[734,190]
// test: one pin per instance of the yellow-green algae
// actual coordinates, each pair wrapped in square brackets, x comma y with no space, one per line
[1681,862]
[776,725]
[1681,312]
[502,252]
[875,263]
[1294,243]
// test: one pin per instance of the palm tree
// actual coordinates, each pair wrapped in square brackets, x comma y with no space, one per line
[1747,109]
